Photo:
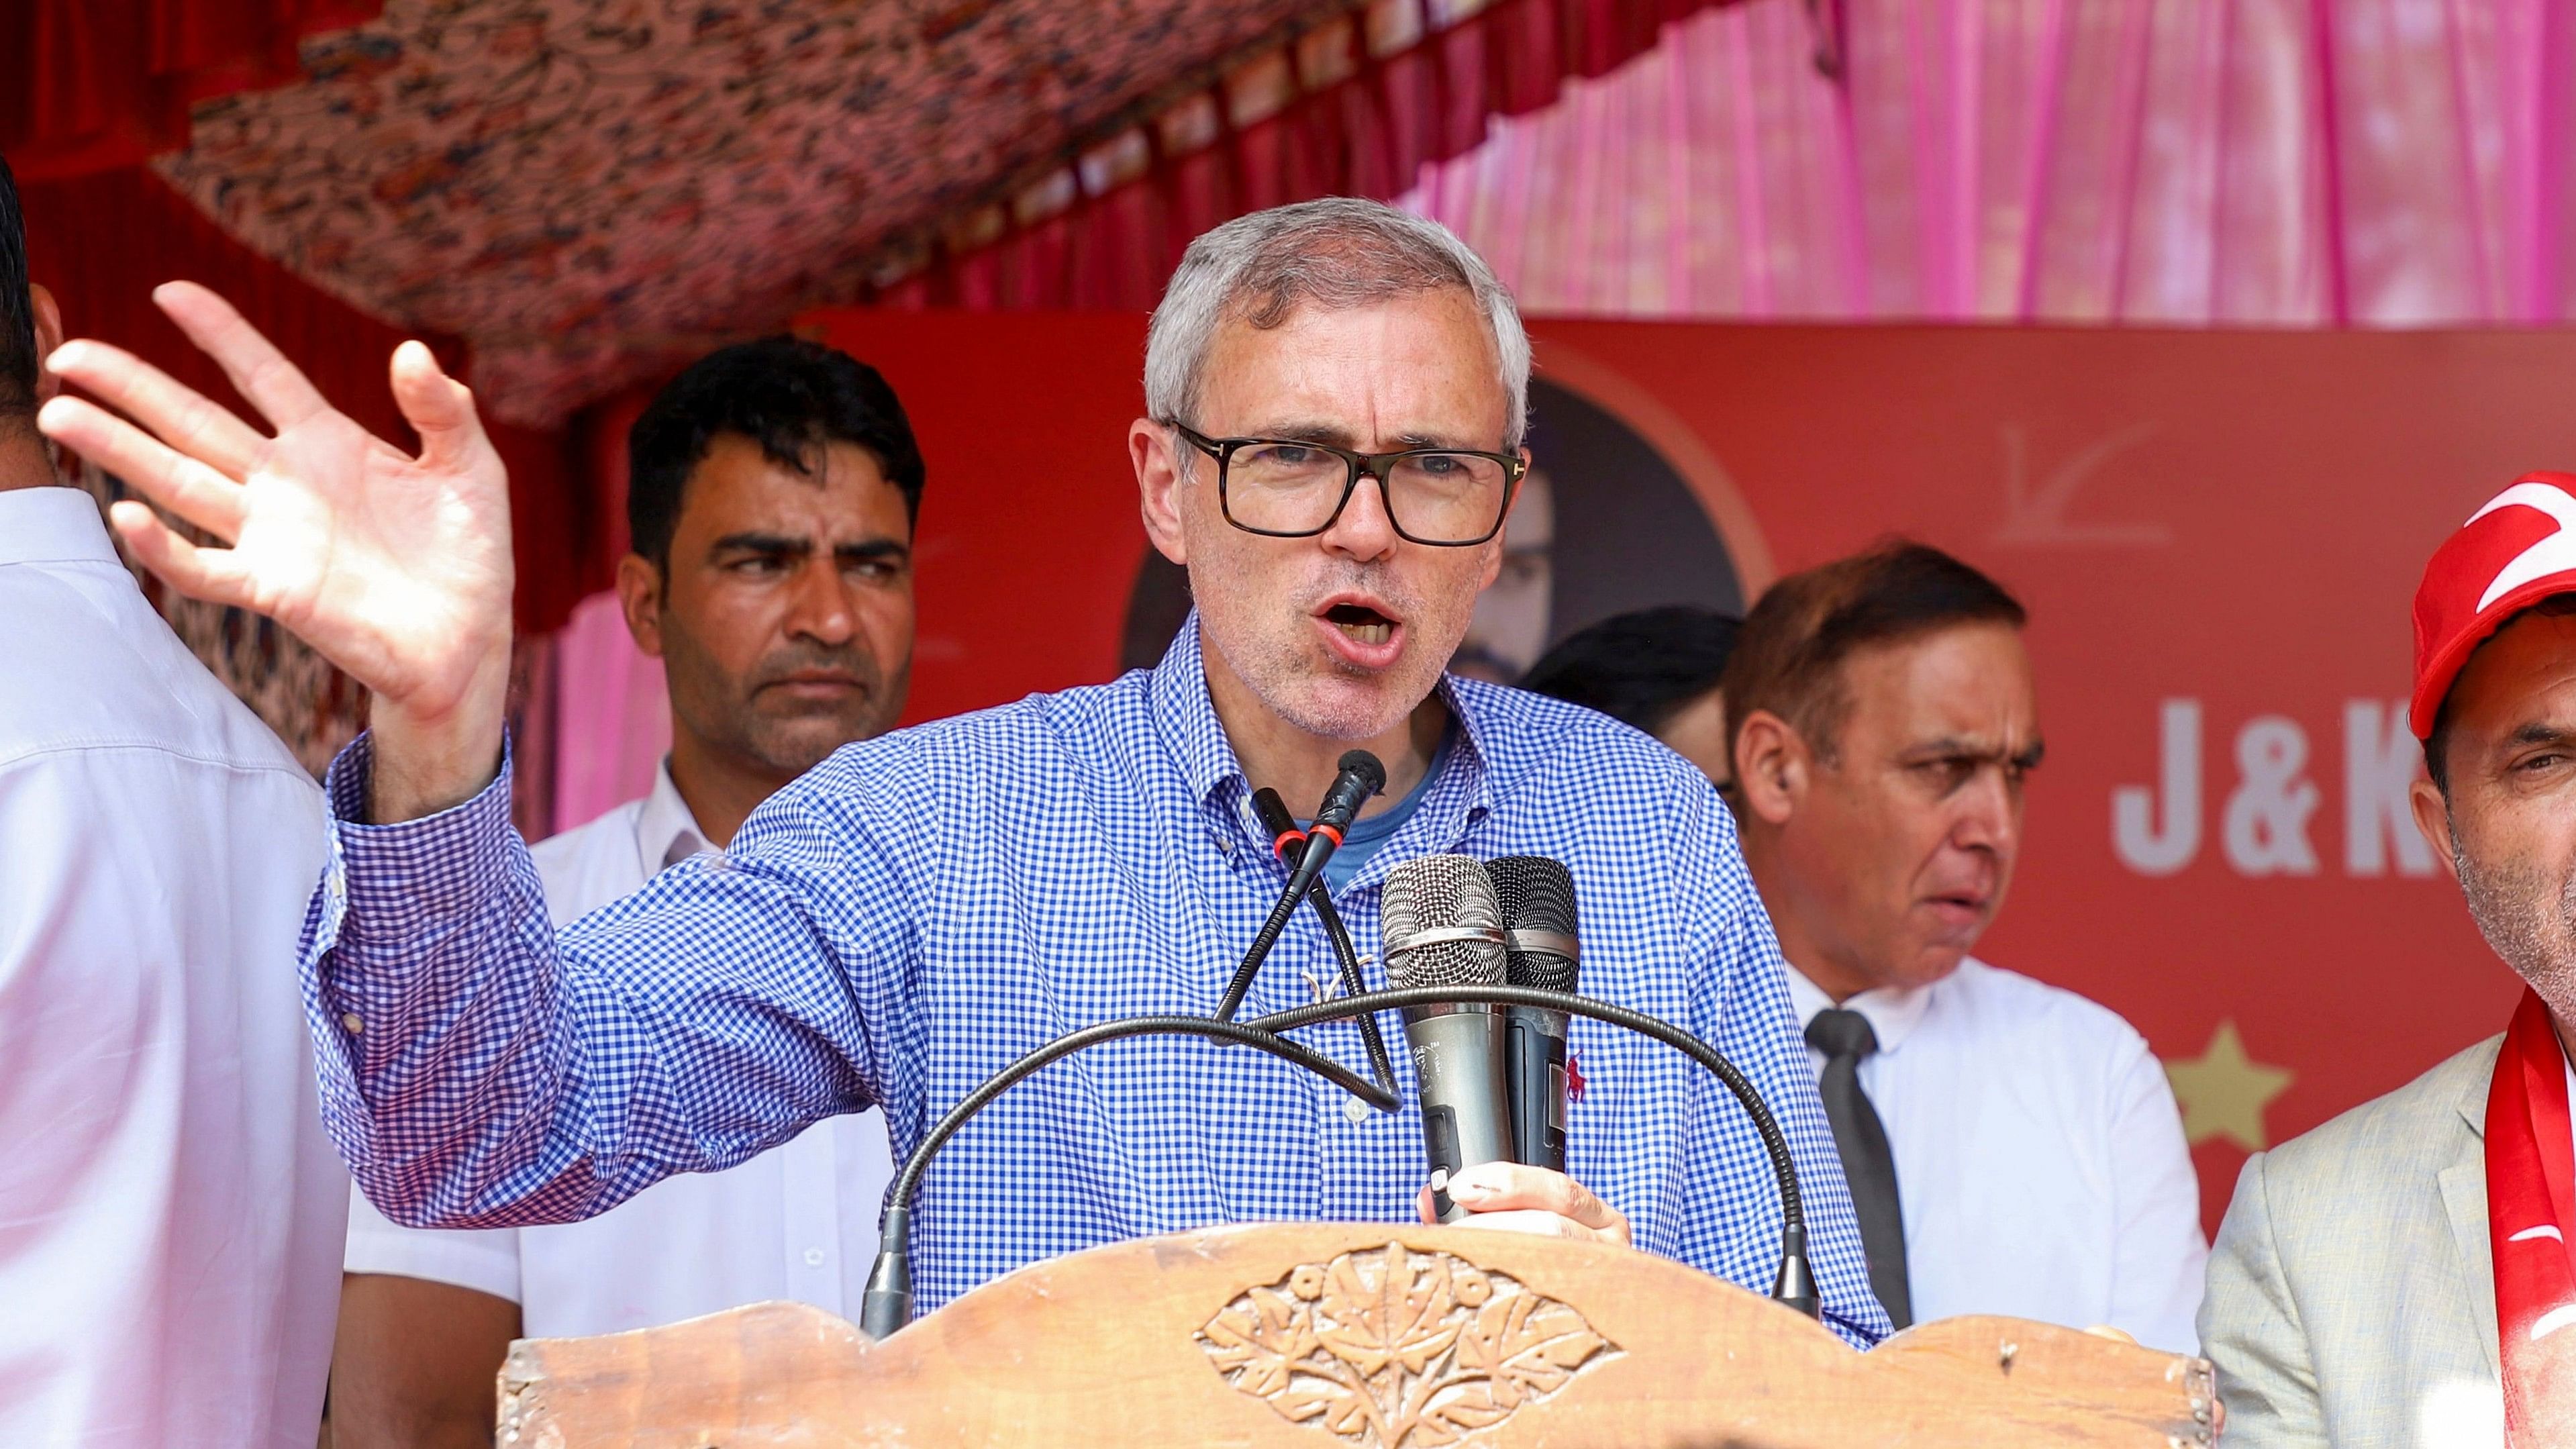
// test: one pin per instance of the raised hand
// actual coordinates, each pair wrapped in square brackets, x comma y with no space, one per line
[397,568]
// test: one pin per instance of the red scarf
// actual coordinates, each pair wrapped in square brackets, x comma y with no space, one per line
[2531,1210]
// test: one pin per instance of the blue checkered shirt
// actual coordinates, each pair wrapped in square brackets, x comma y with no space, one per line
[921,909]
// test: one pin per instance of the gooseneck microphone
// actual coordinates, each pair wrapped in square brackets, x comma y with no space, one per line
[1285,835]
[887,1304]
[1539,949]
[1795,1283]
[1359,776]
[1441,927]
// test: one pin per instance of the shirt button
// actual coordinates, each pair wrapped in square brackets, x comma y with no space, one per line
[813,1257]
[349,1020]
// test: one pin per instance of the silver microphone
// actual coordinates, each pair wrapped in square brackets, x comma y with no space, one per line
[1440,925]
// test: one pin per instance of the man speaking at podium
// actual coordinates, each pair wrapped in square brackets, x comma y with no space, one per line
[1335,397]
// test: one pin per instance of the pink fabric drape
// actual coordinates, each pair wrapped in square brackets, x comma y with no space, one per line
[2175,162]
[1357,105]
[612,719]
[2304,162]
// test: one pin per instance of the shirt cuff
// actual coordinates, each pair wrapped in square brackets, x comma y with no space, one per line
[406,877]
[385,891]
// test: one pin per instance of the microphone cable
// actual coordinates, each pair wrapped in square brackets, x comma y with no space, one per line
[887,1305]
[1795,1284]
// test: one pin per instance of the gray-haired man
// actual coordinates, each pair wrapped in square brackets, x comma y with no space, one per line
[1335,394]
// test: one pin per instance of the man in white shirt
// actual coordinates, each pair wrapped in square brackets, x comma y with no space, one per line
[771,497]
[170,1210]
[2012,1147]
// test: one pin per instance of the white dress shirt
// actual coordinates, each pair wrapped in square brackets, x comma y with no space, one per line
[2039,1157]
[797,1222]
[170,1210]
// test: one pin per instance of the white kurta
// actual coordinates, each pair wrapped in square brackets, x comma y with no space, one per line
[797,1222]
[2039,1155]
[170,1210]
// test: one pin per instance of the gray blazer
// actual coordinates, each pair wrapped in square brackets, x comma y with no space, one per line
[2351,1296]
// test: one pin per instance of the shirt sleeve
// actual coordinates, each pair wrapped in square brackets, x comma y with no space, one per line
[483,1259]
[481,1069]
[2160,1253]
[1757,1030]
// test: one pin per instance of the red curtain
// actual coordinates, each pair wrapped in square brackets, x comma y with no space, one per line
[1359,119]
[101,242]
[98,84]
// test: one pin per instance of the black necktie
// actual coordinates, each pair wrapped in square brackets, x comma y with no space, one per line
[1844,1037]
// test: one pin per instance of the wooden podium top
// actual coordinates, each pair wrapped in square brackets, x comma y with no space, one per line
[1348,1336]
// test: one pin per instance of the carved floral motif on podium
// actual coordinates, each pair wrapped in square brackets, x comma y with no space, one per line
[1391,1348]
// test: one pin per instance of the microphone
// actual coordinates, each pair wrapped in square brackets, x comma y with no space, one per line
[1360,776]
[1282,826]
[1440,926]
[1536,895]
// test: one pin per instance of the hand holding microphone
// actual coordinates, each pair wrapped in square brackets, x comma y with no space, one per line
[1511,1198]
[1442,926]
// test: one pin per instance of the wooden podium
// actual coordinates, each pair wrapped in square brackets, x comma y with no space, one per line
[1347,1336]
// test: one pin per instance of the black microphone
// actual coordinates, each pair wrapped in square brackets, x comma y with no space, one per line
[1440,926]
[1360,777]
[1284,834]
[1539,949]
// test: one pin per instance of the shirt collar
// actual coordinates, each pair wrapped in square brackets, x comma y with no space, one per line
[1489,752]
[1893,1011]
[665,832]
[53,525]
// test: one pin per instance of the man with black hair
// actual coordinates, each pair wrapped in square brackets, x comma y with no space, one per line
[1656,670]
[771,494]
[170,1211]
[2011,1147]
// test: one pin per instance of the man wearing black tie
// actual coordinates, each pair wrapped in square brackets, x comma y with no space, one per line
[2012,1148]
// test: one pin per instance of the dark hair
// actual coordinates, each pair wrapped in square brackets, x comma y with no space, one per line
[17,309]
[790,396]
[1788,660]
[2437,745]
[1639,668]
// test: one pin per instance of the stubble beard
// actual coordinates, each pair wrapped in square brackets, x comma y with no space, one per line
[727,712]
[1319,694]
[2526,922]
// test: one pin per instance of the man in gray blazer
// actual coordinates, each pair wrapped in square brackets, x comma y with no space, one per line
[2353,1292]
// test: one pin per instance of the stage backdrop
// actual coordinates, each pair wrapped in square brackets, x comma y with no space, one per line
[2217,534]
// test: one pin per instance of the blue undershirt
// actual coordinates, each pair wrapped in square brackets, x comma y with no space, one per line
[1369,832]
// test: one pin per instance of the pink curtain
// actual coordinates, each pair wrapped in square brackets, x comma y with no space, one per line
[2176,162]
[1355,105]
[2305,162]
[612,720]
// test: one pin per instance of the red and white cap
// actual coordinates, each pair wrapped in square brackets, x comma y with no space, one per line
[2511,554]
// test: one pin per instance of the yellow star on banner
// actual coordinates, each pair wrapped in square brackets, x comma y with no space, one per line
[2224,1092]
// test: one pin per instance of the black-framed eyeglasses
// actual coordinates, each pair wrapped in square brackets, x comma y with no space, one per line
[1291,488]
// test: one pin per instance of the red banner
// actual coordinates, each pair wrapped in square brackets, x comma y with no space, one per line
[2217,534]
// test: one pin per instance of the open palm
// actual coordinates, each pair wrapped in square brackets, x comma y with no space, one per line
[397,568]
